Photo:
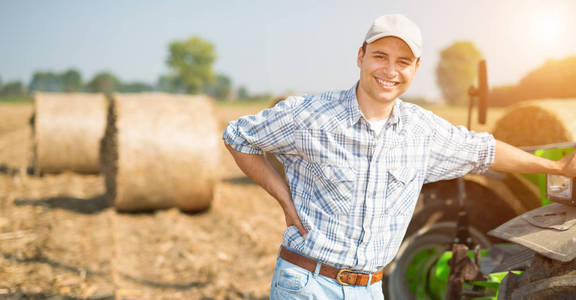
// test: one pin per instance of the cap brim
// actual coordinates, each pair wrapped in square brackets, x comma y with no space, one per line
[415,51]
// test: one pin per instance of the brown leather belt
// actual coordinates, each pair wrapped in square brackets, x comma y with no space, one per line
[342,276]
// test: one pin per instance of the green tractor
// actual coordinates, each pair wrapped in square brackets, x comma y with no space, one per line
[453,251]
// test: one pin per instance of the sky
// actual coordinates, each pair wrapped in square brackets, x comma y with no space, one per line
[297,46]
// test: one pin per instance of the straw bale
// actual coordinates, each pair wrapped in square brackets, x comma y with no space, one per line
[67,129]
[160,151]
[538,123]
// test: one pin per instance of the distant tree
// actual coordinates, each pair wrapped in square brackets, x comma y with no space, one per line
[46,82]
[220,88]
[104,82]
[191,60]
[170,84]
[242,93]
[0,83]
[134,87]
[71,81]
[13,89]
[457,71]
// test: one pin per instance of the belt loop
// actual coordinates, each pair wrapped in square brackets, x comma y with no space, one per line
[369,279]
[317,270]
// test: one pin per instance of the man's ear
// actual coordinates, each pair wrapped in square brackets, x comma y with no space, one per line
[360,57]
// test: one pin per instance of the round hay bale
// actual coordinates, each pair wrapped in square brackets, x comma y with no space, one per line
[67,129]
[538,123]
[160,151]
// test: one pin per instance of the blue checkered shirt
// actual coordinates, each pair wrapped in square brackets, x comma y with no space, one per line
[355,190]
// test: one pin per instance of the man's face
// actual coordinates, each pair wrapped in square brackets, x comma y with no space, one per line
[386,69]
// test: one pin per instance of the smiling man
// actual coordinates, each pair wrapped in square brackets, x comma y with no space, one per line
[387,67]
[355,161]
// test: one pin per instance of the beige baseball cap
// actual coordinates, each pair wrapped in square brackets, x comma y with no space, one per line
[399,26]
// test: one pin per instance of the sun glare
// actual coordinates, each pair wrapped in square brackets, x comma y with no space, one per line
[548,28]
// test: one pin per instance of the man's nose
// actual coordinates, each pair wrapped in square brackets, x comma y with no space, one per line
[390,70]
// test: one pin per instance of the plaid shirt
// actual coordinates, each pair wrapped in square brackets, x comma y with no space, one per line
[355,191]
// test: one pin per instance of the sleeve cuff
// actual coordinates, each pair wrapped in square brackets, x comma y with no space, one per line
[232,138]
[486,155]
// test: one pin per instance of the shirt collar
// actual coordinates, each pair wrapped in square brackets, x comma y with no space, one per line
[352,108]
[354,112]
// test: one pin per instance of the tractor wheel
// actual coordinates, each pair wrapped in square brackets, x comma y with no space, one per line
[436,206]
[410,271]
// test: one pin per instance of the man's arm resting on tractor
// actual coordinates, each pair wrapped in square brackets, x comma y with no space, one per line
[514,160]
[263,174]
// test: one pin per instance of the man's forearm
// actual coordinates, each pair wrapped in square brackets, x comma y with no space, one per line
[263,174]
[514,160]
[256,167]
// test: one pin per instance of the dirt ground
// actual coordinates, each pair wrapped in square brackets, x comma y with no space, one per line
[60,238]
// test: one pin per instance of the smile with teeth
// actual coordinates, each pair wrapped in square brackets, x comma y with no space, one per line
[386,83]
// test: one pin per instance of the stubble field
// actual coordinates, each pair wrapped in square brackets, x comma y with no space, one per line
[60,238]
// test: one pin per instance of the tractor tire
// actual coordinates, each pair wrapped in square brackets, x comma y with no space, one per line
[437,204]
[432,241]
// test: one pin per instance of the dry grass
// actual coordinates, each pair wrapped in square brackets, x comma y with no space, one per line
[74,244]
[459,116]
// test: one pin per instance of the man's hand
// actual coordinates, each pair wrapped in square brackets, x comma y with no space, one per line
[292,219]
[569,165]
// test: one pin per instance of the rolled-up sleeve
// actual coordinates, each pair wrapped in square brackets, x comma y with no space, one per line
[456,151]
[271,130]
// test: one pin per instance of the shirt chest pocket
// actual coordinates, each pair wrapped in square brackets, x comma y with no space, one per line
[325,147]
[334,187]
[402,191]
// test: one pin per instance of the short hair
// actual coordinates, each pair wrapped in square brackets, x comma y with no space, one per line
[364,45]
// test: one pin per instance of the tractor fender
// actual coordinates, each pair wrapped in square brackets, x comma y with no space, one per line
[517,192]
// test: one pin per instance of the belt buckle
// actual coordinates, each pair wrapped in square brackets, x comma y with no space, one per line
[340,274]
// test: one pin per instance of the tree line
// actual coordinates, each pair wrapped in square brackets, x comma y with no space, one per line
[191,71]
[191,61]
[457,71]
[556,78]
[71,81]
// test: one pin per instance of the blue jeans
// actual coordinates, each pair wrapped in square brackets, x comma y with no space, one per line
[293,282]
